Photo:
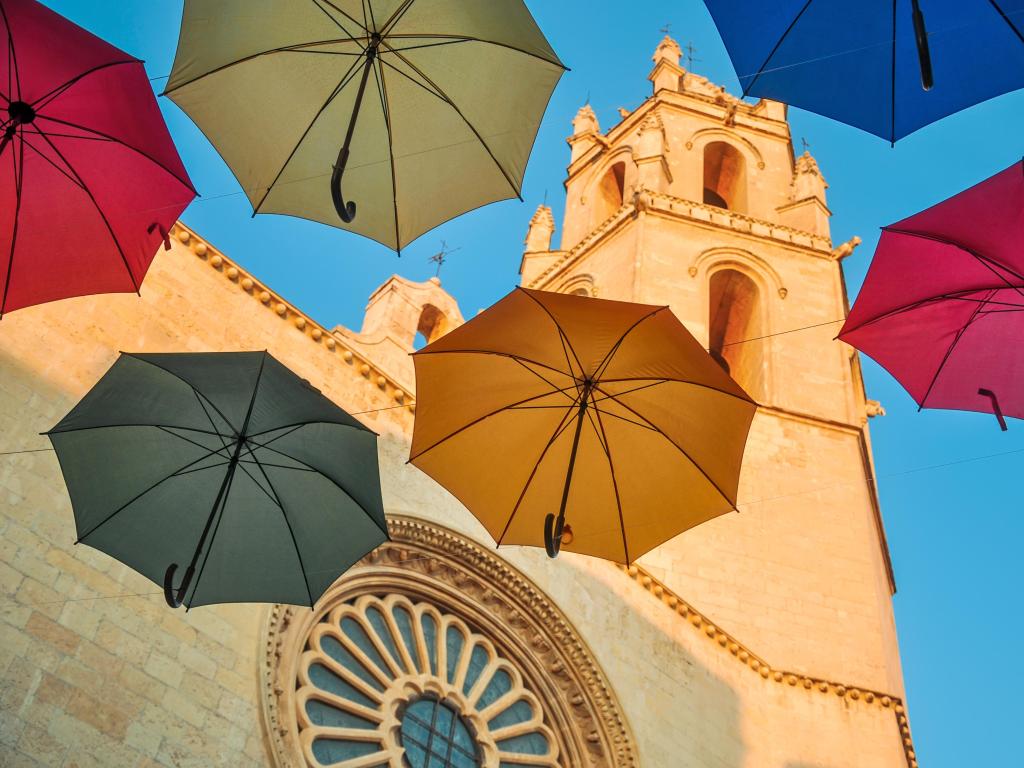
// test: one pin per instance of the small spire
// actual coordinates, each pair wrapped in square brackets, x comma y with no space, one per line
[585,121]
[668,50]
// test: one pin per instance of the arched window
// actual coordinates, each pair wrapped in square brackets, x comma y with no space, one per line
[735,328]
[433,324]
[725,177]
[610,192]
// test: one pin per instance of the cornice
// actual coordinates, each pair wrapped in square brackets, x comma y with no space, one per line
[851,695]
[390,393]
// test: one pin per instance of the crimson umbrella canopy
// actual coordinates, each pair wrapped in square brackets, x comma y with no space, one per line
[942,308]
[90,180]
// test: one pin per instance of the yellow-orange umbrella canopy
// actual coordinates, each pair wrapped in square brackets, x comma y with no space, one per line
[658,427]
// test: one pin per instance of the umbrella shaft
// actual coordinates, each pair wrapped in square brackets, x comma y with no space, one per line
[228,476]
[575,448]
[371,54]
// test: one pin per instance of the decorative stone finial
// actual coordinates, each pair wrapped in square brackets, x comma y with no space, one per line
[585,121]
[668,50]
[808,181]
[542,227]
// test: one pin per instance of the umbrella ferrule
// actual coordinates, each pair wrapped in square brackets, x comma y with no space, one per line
[20,113]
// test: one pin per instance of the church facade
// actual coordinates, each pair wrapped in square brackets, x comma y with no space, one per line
[763,639]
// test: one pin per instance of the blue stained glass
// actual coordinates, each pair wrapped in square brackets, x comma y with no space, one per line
[477,662]
[339,653]
[358,635]
[380,625]
[326,680]
[499,685]
[530,744]
[330,752]
[434,735]
[519,712]
[454,643]
[430,638]
[326,715]
[404,621]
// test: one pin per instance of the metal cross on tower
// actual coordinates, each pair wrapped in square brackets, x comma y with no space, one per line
[441,257]
[690,58]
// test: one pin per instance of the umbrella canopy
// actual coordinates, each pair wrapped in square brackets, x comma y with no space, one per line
[864,62]
[942,308]
[90,181]
[228,464]
[600,426]
[437,102]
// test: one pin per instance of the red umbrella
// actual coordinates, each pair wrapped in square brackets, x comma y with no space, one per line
[941,308]
[90,180]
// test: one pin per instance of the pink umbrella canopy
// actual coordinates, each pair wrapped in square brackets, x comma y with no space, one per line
[942,308]
[90,181]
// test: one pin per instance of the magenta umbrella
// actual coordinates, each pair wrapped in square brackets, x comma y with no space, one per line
[942,308]
[90,181]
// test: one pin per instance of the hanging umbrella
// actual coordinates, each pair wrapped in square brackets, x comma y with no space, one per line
[90,181]
[942,308]
[228,464]
[888,67]
[425,109]
[600,426]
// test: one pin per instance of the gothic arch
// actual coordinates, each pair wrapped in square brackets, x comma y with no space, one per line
[753,289]
[551,679]
[700,139]
[611,185]
[579,285]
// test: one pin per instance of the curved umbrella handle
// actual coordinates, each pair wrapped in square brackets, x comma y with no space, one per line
[347,211]
[996,409]
[175,597]
[924,55]
[553,535]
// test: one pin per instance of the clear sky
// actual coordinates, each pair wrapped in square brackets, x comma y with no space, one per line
[955,531]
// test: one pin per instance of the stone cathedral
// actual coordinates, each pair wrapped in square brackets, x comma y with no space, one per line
[763,639]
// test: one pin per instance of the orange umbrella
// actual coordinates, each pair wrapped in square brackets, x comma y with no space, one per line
[598,426]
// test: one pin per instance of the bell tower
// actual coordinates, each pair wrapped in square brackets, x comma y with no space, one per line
[696,200]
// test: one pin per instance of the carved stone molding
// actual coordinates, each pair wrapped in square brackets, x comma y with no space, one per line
[427,564]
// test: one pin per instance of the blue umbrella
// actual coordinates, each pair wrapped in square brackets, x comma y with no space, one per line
[888,67]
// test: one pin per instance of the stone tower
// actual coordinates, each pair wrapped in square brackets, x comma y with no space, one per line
[695,200]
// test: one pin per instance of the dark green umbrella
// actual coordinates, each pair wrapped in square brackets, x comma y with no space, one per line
[229,463]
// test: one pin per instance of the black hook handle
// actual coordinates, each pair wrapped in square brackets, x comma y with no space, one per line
[347,211]
[163,234]
[175,597]
[924,55]
[995,407]
[553,534]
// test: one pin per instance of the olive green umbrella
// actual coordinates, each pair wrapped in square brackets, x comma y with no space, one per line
[427,108]
[228,464]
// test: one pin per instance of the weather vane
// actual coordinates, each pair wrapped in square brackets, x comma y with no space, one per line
[690,58]
[807,146]
[441,257]
[666,30]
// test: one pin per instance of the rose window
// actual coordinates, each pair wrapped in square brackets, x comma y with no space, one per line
[388,683]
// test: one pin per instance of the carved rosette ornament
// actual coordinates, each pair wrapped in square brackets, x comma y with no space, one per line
[433,651]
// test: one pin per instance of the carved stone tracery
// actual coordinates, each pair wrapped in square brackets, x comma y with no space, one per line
[432,570]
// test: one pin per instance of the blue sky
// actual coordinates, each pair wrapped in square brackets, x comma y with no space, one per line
[954,531]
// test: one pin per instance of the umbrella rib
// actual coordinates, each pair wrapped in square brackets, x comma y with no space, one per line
[124,426]
[469,39]
[209,418]
[562,426]
[184,381]
[396,17]
[382,89]
[155,485]
[955,296]
[53,93]
[226,488]
[295,427]
[18,185]
[777,46]
[551,384]
[444,97]
[284,514]
[988,261]
[429,351]
[34,148]
[486,416]
[345,80]
[615,484]
[99,210]
[560,331]
[680,381]
[630,391]
[282,466]
[1006,18]
[337,23]
[949,354]
[615,348]
[623,418]
[334,482]
[674,444]
[184,182]
[224,446]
